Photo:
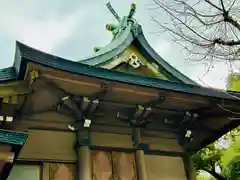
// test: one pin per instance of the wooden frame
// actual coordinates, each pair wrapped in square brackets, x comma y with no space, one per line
[115,150]
[32,163]
[182,155]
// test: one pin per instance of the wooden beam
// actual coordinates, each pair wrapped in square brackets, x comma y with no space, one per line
[129,89]
[16,88]
[140,158]
[7,156]
[46,171]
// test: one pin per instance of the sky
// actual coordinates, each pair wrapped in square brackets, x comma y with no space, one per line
[70,29]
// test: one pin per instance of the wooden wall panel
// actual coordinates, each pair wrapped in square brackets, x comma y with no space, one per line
[51,116]
[164,167]
[124,166]
[49,145]
[163,144]
[102,165]
[25,172]
[113,166]
[111,140]
[60,171]
[158,134]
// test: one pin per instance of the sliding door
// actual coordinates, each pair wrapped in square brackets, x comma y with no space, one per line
[25,172]
[113,165]
[62,171]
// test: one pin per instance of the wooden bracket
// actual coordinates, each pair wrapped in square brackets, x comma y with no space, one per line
[137,117]
[189,116]
[141,114]
[186,135]
[89,105]
[102,93]
[33,76]
[155,102]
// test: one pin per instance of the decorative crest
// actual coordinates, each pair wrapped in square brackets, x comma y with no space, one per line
[113,11]
[116,29]
[130,15]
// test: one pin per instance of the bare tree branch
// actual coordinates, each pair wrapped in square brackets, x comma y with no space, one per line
[234,1]
[227,43]
[232,21]
[223,7]
[188,27]
[206,31]
[213,5]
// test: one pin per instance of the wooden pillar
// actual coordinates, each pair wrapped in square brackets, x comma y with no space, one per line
[189,167]
[46,171]
[140,159]
[84,164]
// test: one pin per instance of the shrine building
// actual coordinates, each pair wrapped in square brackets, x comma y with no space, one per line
[123,113]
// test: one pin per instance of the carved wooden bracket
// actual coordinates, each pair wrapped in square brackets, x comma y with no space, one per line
[33,75]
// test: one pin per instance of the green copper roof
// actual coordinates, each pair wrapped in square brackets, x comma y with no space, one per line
[7,74]
[12,137]
[130,32]
[117,46]
[25,55]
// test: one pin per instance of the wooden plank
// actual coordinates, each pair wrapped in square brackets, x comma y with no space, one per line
[124,166]
[46,171]
[7,156]
[77,83]
[102,165]
[60,171]
[49,145]
[162,144]
[111,140]
[14,88]
[165,167]
[25,172]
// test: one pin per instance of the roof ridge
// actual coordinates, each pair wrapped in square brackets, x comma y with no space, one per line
[115,43]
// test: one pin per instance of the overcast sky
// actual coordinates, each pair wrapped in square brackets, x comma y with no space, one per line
[71,29]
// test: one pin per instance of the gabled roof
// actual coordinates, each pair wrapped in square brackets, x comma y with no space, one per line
[25,54]
[133,33]
[129,32]
[7,74]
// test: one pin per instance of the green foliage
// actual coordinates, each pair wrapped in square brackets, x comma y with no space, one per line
[232,152]
[226,160]
[232,170]
[234,82]
[208,158]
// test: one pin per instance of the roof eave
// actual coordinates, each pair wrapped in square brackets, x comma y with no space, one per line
[217,135]
[28,54]
[140,38]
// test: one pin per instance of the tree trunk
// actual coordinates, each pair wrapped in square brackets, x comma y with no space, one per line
[216,175]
